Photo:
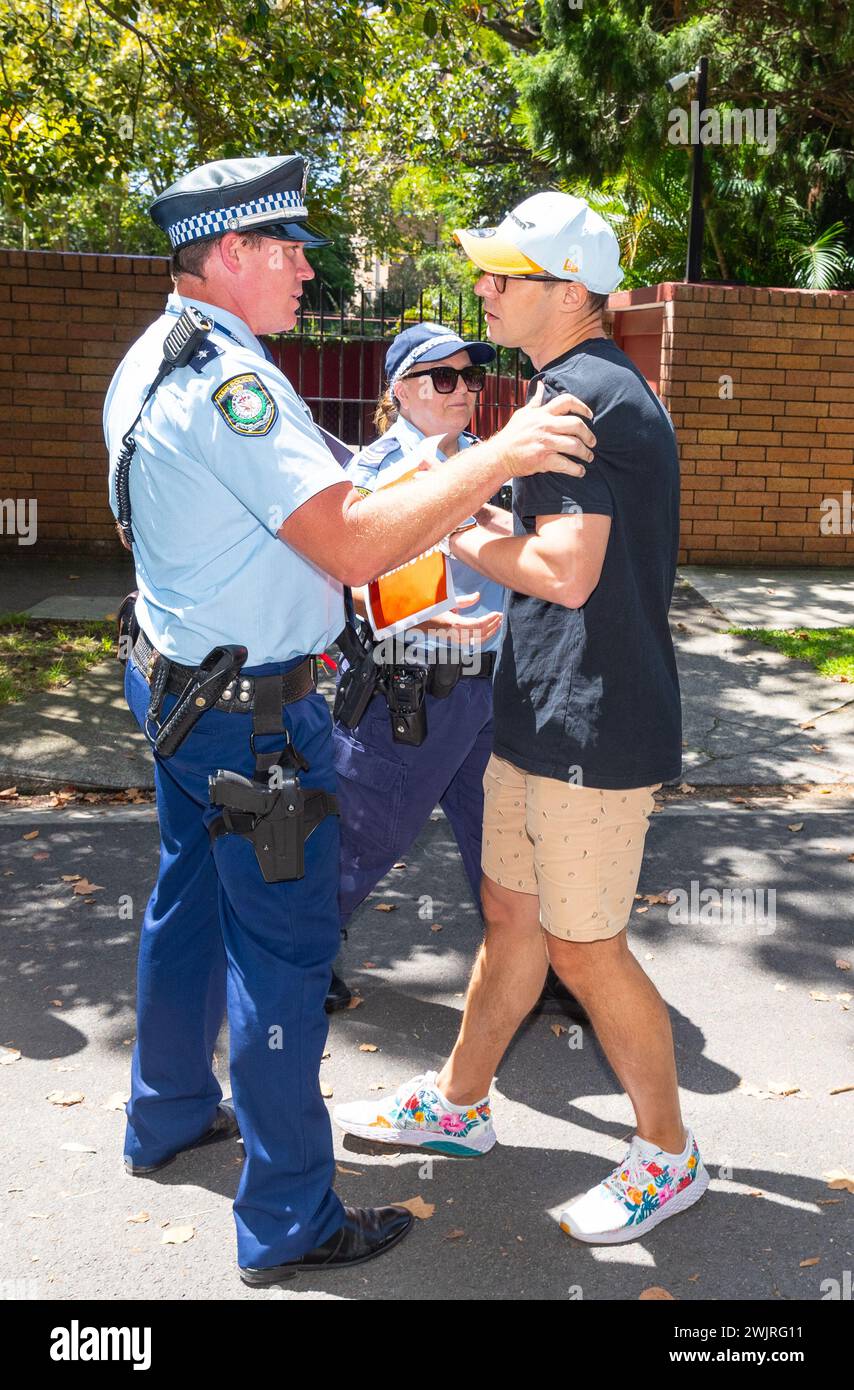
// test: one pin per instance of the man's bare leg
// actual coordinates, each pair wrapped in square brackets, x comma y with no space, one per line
[633,1026]
[505,984]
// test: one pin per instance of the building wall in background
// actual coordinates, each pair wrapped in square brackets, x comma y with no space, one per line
[760,384]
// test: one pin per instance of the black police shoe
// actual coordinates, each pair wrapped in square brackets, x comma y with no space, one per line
[557,998]
[339,995]
[367,1231]
[225,1126]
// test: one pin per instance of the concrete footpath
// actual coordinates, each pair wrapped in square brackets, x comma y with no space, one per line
[744,705]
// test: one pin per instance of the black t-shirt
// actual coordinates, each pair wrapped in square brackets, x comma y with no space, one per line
[592,694]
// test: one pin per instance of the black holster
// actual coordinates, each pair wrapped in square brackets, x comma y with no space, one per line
[271,810]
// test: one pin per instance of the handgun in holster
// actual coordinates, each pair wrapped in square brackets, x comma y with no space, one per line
[273,820]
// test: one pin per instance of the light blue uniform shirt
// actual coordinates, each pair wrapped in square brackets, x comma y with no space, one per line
[364,471]
[219,465]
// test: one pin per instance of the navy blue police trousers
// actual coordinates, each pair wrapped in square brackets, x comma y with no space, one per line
[387,790]
[216,938]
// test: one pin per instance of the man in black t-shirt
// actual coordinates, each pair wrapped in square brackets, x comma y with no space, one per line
[587,726]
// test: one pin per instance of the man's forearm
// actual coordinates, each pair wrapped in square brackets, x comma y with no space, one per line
[393,524]
[514,561]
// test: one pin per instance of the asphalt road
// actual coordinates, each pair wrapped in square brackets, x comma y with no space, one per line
[745,1021]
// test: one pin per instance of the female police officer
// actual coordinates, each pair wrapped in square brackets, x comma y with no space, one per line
[388,789]
[243,530]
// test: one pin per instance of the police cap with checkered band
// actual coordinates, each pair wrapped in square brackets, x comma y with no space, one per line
[263,194]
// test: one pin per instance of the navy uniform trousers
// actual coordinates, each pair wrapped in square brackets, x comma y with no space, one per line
[387,790]
[216,936]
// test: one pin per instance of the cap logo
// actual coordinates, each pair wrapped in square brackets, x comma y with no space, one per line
[526,226]
[571,265]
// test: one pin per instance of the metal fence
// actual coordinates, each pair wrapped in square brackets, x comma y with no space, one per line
[335,357]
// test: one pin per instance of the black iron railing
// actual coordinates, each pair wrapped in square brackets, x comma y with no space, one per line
[335,357]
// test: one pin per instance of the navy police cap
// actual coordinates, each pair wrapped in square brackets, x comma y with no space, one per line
[265,193]
[430,342]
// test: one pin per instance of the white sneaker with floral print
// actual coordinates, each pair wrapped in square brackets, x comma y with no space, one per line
[647,1187]
[419,1115]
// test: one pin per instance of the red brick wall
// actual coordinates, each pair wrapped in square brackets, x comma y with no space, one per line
[755,467]
[65,321]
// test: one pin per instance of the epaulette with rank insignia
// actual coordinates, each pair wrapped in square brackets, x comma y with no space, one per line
[376,452]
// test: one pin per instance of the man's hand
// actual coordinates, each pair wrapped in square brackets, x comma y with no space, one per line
[539,438]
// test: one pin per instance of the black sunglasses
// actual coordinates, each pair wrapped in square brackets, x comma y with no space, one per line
[445,378]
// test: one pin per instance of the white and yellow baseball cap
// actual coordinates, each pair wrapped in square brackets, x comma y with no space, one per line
[553,232]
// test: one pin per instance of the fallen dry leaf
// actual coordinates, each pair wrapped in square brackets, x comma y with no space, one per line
[385,907]
[839,1180]
[783,1088]
[806,1264]
[437,926]
[8,1055]
[368,1047]
[639,910]
[42,854]
[83,886]
[806,726]
[399,865]
[79,1148]
[55,1003]
[655,1291]
[757,1193]
[844,998]
[30,835]
[353,1172]
[819,998]
[557,1029]
[818,747]
[178,1235]
[326,1090]
[781,988]
[355,1001]
[686,787]
[654,898]
[117,1101]
[65,1097]
[842,964]
[841,1090]
[8,792]
[454,1234]
[799,825]
[138,1218]
[419,1208]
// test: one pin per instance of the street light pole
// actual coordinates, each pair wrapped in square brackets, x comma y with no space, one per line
[694,263]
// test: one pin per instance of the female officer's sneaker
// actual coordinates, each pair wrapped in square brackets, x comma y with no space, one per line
[419,1115]
[647,1187]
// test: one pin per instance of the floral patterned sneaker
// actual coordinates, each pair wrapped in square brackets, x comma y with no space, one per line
[418,1115]
[644,1190]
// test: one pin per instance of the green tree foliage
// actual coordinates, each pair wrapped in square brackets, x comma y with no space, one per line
[422,115]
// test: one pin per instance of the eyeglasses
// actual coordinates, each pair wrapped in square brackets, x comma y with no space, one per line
[445,378]
[500,281]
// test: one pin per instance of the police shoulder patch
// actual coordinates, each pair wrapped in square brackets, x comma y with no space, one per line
[245,404]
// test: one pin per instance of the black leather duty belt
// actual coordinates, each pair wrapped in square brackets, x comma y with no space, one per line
[237,698]
[486,668]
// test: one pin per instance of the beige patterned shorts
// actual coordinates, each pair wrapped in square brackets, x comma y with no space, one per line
[578,848]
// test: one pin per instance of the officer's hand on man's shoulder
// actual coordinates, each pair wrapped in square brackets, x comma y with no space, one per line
[547,438]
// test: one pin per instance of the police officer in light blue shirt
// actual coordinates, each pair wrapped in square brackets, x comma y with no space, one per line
[244,529]
[388,789]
